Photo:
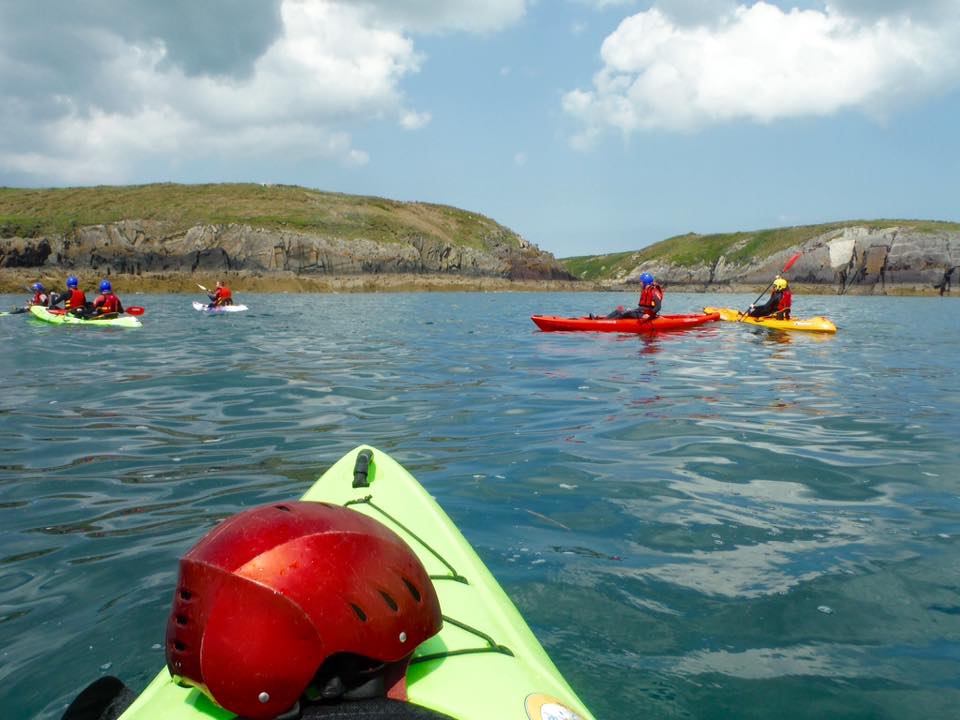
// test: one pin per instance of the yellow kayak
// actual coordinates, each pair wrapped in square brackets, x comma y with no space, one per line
[814,324]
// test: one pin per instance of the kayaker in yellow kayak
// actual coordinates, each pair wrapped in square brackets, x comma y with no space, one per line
[779,303]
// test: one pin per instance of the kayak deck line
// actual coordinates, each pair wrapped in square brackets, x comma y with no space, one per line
[492,645]
[454,575]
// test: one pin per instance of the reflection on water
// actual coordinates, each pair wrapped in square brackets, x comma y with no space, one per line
[706,524]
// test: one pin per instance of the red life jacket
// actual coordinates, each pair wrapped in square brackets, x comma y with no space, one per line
[107,303]
[39,298]
[785,299]
[76,300]
[222,295]
[650,295]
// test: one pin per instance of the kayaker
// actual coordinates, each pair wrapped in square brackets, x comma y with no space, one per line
[107,303]
[75,302]
[40,295]
[221,296]
[648,307]
[779,303]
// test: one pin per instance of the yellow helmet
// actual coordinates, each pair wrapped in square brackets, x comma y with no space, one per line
[780,283]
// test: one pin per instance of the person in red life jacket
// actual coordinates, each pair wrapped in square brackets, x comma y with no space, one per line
[222,295]
[779,303]
[107,303]
[651,297]
[74,300]
[40,295]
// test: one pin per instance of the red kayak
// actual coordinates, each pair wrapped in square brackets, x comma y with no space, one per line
[623,325]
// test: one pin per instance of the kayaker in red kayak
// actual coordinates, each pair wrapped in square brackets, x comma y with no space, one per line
[107,304]
[649,305]
[779,303]
[74,299]
[221,296]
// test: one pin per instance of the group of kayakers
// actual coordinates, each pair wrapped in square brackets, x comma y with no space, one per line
[74,300]
[651,299]
[106,304]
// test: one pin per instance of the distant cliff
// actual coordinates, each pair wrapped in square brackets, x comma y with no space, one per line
[253,229]
[895,256]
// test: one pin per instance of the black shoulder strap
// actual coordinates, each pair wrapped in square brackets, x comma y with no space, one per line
[103,699]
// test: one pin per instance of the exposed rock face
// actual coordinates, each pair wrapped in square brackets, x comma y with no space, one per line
[135,247]
[854,259]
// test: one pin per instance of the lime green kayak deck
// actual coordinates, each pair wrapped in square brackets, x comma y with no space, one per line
[814,324]
[485,664]
[42,313]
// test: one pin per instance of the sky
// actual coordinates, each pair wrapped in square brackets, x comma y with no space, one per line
[586,126]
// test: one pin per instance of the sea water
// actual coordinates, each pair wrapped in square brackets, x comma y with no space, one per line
[726,522]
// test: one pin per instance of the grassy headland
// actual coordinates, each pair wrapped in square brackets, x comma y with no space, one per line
[56,211]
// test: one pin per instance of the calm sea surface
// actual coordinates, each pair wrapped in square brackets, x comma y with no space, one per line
[722,523]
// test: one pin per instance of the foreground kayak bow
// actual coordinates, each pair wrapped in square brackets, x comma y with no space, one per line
[484,663]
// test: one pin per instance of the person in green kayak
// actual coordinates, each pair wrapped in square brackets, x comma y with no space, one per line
[648,307]
[75,302]
[779,303]
[40,297]
[107,304]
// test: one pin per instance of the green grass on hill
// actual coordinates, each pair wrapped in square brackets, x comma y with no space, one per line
[691,250]
[592,267]
[33,212]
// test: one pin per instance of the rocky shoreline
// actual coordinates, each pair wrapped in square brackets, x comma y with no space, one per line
[17,280]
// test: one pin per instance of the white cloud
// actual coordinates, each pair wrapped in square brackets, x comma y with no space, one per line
[760,63]
[118,102]
[411,120]
[445,15]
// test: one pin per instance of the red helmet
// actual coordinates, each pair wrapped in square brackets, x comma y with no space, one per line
[269,594]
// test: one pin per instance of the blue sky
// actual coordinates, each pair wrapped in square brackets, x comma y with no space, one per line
[585,125]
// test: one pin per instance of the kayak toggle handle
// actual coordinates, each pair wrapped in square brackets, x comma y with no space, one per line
[361,467]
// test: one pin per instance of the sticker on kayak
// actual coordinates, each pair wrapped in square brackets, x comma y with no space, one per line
[544,707]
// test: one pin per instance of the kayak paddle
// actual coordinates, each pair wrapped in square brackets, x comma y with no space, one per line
[202,288]
[786,267]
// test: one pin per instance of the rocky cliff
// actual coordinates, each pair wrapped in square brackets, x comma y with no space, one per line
[135,247]
[282,230]
[855,259]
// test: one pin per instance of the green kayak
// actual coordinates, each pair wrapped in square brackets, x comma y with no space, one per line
[485,663]
[42,313]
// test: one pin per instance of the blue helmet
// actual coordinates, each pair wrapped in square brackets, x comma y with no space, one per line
[646,278]
[105,286]
[37,287]
[72,282]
